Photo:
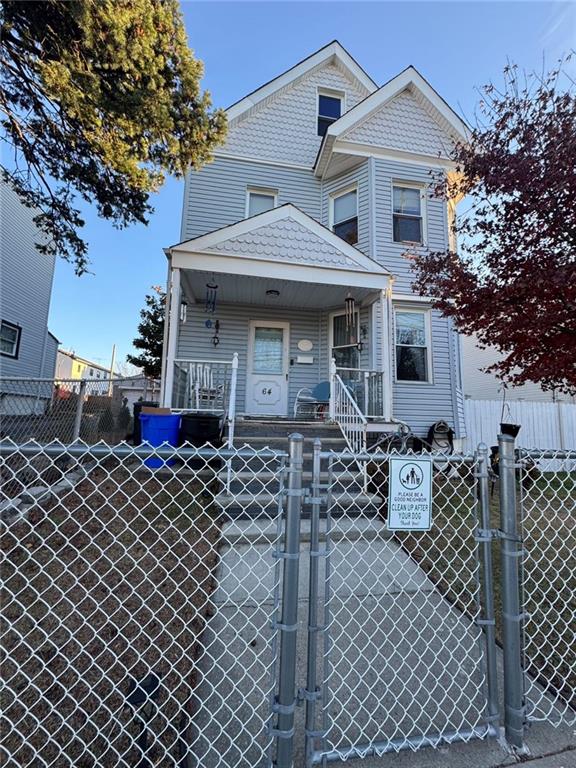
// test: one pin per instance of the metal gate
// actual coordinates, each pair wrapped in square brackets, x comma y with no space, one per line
[401,650]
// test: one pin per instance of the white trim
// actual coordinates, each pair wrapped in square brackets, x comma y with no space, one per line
[333,94]
[261,161]
[341,313]
[264,323]
[387,351]
[422,188]
[372,208]
[405,307]
[353,187]
[391,153]
[279,270]
[409,77]
[324,55]
[205,242]
[263,191]
[173,328]
[165,332]
[408,298]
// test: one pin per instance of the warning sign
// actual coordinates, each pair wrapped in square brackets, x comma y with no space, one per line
[410,494]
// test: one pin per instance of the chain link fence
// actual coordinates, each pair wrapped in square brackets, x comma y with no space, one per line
[547,498]
[131,625]
[400,658]
[64,410]
[243,607]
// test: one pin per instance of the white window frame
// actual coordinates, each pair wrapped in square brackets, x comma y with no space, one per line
[336,194]
[14,327]
[333,94]
[423,213]
[331,316]
[259,191]
[428,331]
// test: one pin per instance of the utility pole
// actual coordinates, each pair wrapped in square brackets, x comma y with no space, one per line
[112,370]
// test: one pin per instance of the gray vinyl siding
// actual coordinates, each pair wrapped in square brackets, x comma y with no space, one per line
[49,371]
[215,196]
[358,176]
[25,288]
[194,342]
[387,252]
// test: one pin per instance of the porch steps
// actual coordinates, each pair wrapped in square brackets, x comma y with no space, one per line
[253,481]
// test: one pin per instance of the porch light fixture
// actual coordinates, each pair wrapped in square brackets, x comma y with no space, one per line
[273,292]
[211,292]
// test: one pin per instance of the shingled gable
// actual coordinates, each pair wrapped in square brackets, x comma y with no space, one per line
[331,53]
[282,235]
[386,117]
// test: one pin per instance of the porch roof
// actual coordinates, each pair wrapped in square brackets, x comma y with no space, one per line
[281,244]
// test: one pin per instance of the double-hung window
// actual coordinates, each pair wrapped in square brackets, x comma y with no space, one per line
[260,200]
[329,110]
[345,215]
[408,213]
[9,339]
[413,360]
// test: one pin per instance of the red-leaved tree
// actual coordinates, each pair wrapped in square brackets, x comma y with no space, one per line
[512,281]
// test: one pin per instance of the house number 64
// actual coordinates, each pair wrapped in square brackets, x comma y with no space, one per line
[266,391]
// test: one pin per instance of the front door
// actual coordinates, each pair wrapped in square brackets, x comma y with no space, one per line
[267,378]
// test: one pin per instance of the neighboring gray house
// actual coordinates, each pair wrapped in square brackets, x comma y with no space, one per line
[303,222]
[27,348]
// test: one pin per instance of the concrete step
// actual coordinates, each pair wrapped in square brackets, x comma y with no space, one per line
[265,505]
[263,531]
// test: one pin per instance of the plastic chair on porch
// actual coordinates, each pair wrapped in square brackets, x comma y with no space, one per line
[313,401]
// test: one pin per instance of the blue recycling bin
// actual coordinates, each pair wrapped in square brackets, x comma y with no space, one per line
[159,428]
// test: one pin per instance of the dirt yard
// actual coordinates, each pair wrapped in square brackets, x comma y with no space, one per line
[108,583]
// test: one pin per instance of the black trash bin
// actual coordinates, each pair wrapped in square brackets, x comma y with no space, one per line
[137,431]
[199,429]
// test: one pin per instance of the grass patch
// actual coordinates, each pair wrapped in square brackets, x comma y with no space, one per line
[446,554]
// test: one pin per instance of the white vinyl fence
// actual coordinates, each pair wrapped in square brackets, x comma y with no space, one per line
[552,424]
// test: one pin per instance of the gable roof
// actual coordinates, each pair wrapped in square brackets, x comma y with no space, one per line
[410,79]
[333,51]
[284,234]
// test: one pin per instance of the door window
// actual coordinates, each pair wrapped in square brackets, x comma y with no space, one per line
[268,350]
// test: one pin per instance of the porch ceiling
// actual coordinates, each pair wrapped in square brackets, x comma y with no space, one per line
[250,289]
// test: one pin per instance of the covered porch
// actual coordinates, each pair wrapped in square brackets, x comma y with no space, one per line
[260,313]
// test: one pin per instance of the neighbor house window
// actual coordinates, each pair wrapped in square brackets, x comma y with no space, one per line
[329,110]
[408,214]
[260,200]
[412,345]
[9,339]
[344,215]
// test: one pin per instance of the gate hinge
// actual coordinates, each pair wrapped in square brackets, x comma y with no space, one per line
[302,492]
[305,695]
[315,500]
[489,534]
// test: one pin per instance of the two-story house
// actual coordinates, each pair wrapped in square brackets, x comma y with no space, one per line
[293,253]
[27,348]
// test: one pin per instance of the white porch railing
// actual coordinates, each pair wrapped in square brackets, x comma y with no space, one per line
[207,386]
[367,390]
[345,412]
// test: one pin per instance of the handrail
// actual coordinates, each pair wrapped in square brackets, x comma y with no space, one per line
[345,412]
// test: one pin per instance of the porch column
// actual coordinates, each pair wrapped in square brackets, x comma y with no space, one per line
[173,319]
[386,349]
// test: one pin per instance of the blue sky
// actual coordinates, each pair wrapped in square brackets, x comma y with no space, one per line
[457,46]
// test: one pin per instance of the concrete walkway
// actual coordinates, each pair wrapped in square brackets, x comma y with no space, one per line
[402,660]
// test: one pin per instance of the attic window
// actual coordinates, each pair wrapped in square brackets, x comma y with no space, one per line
[329,110]
[260,200]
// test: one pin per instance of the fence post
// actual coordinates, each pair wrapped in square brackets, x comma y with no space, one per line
[288,627]
[311,694]
[488,585]
[79,409]
[511,615]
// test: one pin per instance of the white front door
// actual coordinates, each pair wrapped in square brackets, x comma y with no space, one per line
[267,376]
